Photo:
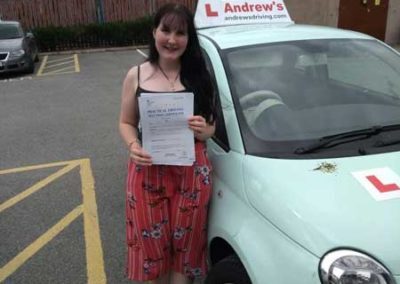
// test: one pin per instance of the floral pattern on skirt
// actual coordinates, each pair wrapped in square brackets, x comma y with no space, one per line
[166,218]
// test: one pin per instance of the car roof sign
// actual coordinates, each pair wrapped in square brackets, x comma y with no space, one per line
[211,13]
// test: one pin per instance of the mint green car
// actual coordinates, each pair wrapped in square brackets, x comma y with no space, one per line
[306,156]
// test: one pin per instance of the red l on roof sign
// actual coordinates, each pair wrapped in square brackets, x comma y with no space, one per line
[211,13]
[381,183]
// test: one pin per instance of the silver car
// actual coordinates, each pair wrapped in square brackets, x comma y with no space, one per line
[18,49]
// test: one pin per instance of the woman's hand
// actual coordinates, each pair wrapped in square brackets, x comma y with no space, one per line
[202,130]
[138,155]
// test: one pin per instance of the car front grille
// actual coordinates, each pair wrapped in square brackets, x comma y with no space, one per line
[3,55]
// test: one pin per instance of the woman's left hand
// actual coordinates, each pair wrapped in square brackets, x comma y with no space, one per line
[202,130]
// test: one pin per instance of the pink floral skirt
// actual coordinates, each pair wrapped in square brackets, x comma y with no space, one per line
[166,218]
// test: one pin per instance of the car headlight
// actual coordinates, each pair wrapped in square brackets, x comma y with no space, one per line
[17,53]
[351,267]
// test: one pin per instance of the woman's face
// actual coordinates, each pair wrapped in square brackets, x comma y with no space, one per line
[170,42]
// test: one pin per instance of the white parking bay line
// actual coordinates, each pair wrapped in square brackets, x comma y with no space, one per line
[142,53]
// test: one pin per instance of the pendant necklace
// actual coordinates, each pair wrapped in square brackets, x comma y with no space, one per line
[171,83]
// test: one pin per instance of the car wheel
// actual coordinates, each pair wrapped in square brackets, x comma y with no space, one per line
[228,270]
[31,67]
[36,58]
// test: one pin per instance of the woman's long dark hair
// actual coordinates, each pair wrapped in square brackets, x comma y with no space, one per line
[194,74]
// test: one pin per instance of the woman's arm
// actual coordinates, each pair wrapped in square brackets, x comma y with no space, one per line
[128,120]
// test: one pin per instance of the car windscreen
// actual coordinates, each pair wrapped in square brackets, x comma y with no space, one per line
[10,31]
[304,90]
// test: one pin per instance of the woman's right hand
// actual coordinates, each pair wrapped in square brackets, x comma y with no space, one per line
[139,156]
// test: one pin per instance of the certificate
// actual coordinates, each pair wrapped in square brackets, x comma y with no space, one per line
[165,132]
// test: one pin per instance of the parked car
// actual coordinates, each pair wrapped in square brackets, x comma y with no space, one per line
[306,156]
[18,49]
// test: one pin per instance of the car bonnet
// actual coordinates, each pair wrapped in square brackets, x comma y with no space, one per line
[10,44]
[349,202]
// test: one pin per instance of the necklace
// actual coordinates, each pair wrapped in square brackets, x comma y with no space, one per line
[171,82]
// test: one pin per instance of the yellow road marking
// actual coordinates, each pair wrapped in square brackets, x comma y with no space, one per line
[40,71]
[59,64]
[62,70]
[94,252]
[12,201]
[40,242]
[38,167]
[47,64]
[77,66]
[58,73]
[60,59]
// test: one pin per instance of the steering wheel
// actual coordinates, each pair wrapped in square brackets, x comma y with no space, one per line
[255,103]
[255,98]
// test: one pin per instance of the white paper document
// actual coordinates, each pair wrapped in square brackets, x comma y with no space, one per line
[165,131]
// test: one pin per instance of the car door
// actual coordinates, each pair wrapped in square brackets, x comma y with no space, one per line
[226,153]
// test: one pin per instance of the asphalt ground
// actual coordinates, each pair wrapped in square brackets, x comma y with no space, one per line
[62,170]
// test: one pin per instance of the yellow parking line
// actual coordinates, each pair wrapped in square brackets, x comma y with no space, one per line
[47,64]
[60,59]
[40,242]
[39,73]
[12,201]
[37,167]
[94,251]
[58,71]
[59,64]
[77,66]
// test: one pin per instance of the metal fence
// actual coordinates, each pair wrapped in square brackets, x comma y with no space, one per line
[43,13]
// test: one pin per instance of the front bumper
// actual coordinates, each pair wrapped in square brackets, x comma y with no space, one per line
[14,65]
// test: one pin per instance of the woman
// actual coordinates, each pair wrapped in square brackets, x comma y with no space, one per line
[167,205]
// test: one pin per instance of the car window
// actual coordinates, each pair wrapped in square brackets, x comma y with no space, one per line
[220,136]
[10,31]
[304,90]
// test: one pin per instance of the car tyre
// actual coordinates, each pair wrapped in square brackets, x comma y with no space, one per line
[36,58]
[228,270]
[31,67]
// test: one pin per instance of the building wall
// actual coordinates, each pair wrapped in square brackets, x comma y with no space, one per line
[314,12]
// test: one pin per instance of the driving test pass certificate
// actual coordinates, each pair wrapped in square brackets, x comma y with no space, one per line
[165,132]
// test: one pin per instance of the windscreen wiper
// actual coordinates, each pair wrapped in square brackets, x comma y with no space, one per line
[346,137]
[388,142]
[384,143]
